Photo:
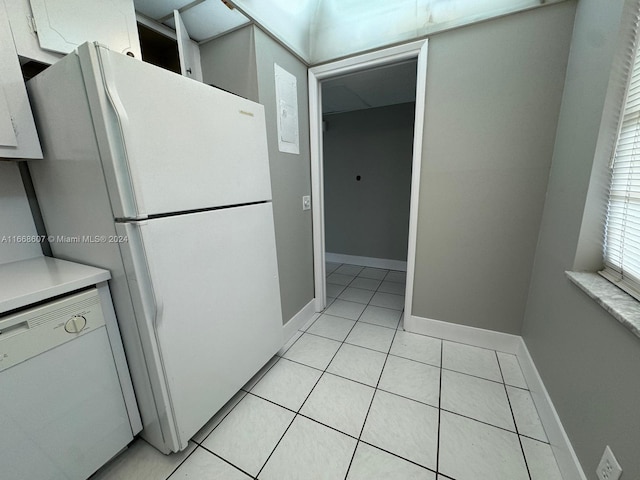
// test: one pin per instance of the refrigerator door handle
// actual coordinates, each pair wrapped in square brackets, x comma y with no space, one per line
[149,309]
[122,119]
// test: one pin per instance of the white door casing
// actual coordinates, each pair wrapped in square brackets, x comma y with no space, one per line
[318,74]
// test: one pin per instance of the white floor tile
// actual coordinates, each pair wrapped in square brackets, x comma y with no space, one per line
[310,451]
[403,427]
[333,290]
[331,267]
[396,276]
[339,403]
[470,450]
[417,347]
[370,463]
[313,351]
[388,300]
[511,371]
[476,398]
[472,360]
[248,435]
[392,287]
[203,465]
[272,361]
[371,336]
[347,269]
[540,459]
[414,380]
[336,328]
[357,363]
[306,326]
[290,342]
[384,317]
[374,273]
[366,283]
[218,417]
[287,384]
[340,279]
[357,295]
[345,309]
[142,462]
[525,413]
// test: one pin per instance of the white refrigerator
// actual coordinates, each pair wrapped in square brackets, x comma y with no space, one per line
[165,182]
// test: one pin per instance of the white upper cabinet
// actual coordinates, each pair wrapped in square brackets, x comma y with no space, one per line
[188,51]
[44,30]
[18,135]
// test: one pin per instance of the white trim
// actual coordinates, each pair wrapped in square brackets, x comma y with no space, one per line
[562,449]
[386,56]
[387,263]
[478,337]
[299,320]
[418,134]
[317,189]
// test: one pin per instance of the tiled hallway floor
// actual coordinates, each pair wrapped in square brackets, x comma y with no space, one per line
[353,396]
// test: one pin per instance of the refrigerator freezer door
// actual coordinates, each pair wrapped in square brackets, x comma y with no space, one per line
[170,144]
[216,315]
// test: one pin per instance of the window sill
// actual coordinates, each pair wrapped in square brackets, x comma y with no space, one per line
[622,306]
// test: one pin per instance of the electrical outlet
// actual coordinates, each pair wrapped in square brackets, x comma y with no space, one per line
[306,202]
[608,468]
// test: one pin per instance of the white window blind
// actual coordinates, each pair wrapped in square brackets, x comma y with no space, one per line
[622,229]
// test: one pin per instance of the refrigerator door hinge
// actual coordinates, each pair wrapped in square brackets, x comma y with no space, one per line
[32,24]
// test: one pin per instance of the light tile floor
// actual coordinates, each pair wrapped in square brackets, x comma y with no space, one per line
[353,396]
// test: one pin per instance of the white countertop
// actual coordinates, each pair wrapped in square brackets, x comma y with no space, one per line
[30,281]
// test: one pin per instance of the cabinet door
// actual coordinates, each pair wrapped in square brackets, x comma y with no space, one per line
[189,53]
[18,136]
[62,25]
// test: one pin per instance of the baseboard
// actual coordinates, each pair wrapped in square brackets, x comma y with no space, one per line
[366,261]
[299,320]
[565,455]
[478,337]
[562,449]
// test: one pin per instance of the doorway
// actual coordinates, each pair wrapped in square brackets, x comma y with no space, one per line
[368,123]
[318,75]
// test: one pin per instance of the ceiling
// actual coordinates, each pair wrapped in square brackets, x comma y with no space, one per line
[378,87]
[204,19]
[207,19]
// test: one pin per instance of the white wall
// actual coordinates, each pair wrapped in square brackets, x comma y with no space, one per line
[492,102]
[370,217]
[15,217]
[589,362]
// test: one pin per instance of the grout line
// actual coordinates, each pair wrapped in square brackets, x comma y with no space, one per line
[305,400]
[515,423]
[439,408]
[276,446]
[376,389]
[478,421]
[366,417]
[228,462]
[222,419]
[400,457]
[182,462]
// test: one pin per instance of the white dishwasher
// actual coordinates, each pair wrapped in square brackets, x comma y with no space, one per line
[63,413]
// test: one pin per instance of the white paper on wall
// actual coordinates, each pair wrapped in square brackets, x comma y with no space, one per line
[287,102]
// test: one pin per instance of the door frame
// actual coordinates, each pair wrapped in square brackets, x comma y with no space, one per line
[317,75]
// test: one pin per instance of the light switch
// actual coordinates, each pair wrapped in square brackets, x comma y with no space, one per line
[306,202]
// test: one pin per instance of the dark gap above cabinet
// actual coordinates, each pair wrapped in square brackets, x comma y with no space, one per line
[158,49]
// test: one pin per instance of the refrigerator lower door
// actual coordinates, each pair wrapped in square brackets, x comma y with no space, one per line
[210,299]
